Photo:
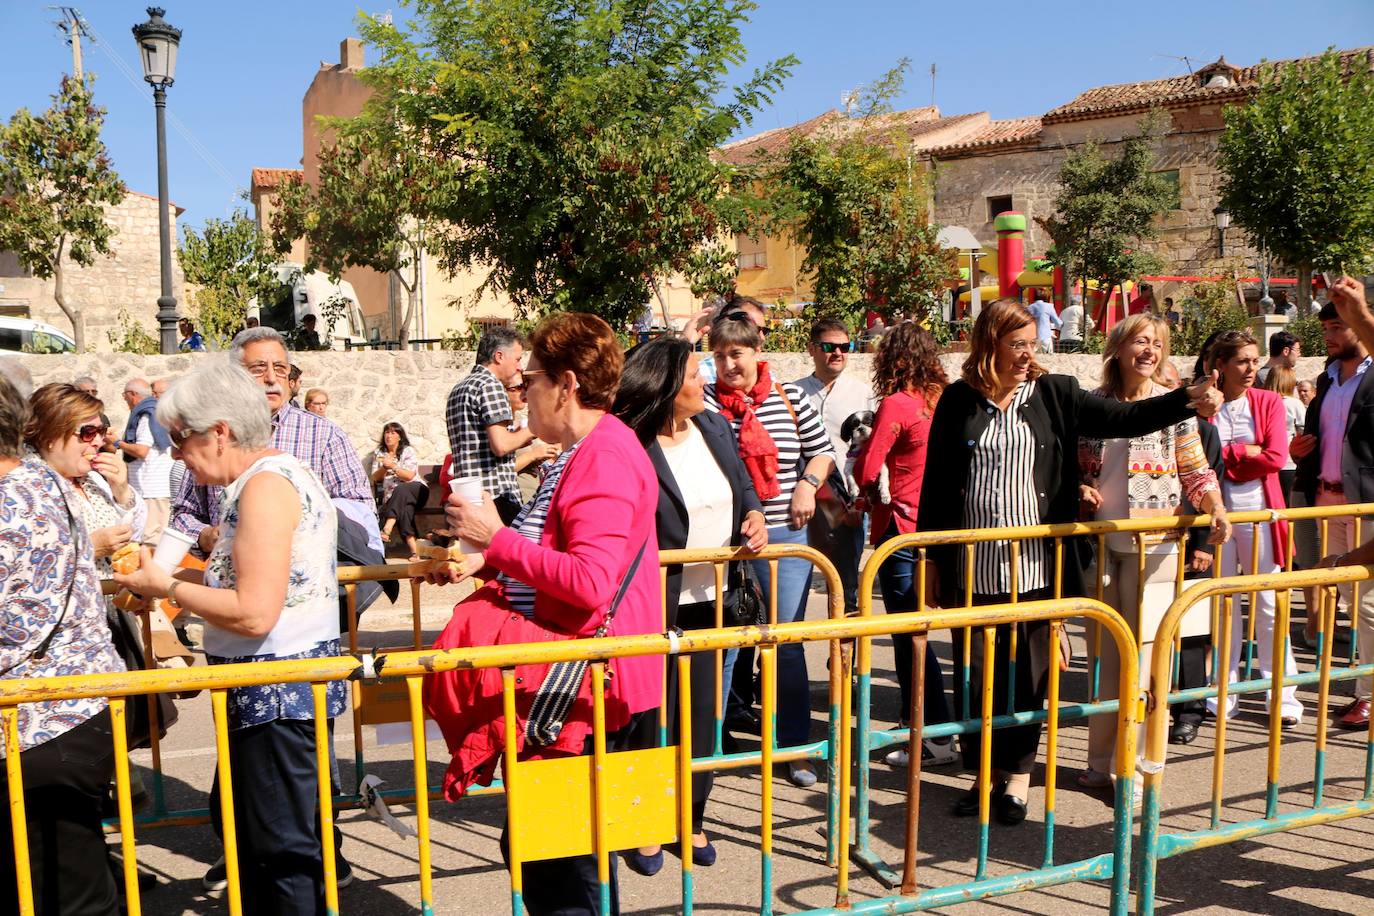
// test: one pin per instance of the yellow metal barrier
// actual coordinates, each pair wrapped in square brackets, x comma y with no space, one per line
[1159,846]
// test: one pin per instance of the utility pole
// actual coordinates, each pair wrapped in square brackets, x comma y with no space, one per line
[932,85]
[74,27]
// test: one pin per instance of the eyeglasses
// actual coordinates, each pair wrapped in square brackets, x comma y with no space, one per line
[259,369]
[828,347]
[1020,346]
[88,432]
[317,404]
[179,436]
[520,387]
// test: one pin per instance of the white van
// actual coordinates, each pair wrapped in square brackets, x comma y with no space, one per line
[26,336]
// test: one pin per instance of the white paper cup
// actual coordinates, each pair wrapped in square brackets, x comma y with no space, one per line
[171,549]
[468,489]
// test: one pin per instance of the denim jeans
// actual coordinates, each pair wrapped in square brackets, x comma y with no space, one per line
[794,686]
[897,578]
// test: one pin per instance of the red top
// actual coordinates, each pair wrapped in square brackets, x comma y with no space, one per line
[1271,434]
[900,432]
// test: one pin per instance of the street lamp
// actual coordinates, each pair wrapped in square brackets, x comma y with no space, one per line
[157,49]
[1223,218]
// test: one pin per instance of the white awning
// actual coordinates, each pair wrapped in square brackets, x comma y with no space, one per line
[958,237]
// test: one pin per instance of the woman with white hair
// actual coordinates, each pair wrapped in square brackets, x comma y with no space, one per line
[268,592]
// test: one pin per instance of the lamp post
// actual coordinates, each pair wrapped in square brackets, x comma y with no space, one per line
[157,49]
[1223,218]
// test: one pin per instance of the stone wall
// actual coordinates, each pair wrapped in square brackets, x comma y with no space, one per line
[368,389]
[130,279]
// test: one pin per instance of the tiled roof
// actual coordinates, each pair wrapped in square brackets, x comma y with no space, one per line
[914,123]
[268,179]
[1105,101]
[995,133]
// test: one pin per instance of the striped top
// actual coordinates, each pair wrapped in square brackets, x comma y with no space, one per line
[798,442]
[1001,493]
[529,524]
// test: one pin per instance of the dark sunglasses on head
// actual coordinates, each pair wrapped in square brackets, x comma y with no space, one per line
[88,432]
[828,347]
[739,316]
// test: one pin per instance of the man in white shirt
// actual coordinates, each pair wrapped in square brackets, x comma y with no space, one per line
[148,450]
[1075,324]
[836,396]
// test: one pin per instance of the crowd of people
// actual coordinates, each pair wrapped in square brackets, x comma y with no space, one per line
[567,444]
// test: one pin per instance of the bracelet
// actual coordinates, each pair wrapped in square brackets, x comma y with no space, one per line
[1339,561]
[172,594]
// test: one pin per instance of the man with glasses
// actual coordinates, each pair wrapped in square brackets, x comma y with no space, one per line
[836,397]
[479,416]
[323,447]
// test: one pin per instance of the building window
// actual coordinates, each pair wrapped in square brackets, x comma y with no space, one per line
[752,252]
[1175,190]
[12,309]
[999,205]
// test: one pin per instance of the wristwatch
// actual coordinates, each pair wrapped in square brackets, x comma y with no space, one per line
[812,479]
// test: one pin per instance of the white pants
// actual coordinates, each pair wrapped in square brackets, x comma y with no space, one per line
[1236,556]
[1340,537]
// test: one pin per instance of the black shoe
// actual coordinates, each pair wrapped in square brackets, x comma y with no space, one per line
[967,805]
[1010,809]
[744,720]
[1182,733]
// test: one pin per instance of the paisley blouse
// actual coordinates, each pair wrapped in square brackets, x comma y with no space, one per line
[46,564]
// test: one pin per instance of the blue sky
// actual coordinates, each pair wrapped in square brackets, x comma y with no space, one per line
[245,65]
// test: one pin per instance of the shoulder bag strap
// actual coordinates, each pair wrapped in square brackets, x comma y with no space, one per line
[787,402]
[620,592]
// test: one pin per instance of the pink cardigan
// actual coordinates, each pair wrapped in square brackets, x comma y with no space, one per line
[597,523]
[1271,431]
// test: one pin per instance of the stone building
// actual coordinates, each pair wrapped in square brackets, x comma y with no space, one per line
[984,167]
[130,279]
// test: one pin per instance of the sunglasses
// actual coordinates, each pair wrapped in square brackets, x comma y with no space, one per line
[88,432]
[520,387]
[740,316]
[827,347]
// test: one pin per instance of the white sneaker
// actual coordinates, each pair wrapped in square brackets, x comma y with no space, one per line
[933,754]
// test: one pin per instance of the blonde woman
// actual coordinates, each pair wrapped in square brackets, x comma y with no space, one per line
[1149,476]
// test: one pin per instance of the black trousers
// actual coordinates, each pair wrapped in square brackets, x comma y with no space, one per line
[507,506]
[1013,748]
[1192,672]
[65,780]
[276,817]
[701,616]
[569,886]
[405,499]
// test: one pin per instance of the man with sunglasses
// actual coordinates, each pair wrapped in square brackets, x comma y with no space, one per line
[836,397]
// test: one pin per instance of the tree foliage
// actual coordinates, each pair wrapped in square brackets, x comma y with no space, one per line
[1105,210]
[230,263]
[56,182]
[859,204]
[371,207]
[577,138]
[1297,164]
[1209,307]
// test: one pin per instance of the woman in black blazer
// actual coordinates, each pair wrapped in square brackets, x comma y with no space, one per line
[705,499]
[1007,437]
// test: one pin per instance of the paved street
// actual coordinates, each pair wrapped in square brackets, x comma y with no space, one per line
[1325,869]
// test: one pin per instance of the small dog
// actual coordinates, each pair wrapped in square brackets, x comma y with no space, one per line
[856,431]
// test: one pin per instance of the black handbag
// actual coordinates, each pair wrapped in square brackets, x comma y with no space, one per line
[744,605]
[128,643]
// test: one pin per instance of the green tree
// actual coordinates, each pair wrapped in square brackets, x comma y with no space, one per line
[371,206]
[578,139]
[1297,166]
[230,263]
[859,205]
[56,182]
[1105,210]
[1210,307]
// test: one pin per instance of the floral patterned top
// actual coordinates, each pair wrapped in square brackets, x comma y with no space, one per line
[45,552]
[309,622]
[408,461]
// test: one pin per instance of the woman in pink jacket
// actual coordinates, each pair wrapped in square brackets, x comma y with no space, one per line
[1254,444]
[559,566]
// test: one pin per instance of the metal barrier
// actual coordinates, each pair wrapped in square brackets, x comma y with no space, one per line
[1157,845]
[870,739]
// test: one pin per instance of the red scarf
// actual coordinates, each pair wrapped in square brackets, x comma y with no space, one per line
[756,447]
